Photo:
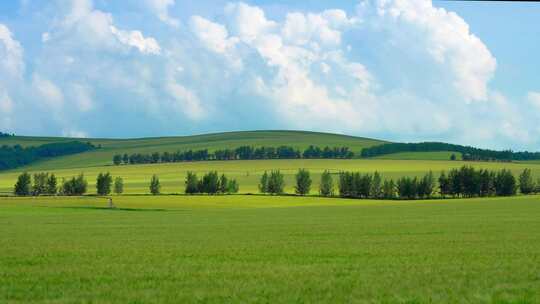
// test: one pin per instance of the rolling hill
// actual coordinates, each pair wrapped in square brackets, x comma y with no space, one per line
[110,147]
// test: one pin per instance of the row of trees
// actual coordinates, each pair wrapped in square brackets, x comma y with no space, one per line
[463,182]
[240,153]
[16,156]
[2,134]
[469,153]
[43,183]
[210,183]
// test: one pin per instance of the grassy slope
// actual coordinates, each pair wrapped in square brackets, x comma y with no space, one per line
[298,139]
[137,177]
[440,155]
[241,249]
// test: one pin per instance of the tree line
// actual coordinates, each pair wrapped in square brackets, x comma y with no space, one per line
[469,153]
[2,134]
[463,182]
[240,153]
[16,156]
[44,183]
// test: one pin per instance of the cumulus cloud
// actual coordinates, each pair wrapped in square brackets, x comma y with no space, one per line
[446,37]
[395,69]
[48,92]
[11,54]
[161,9]
[137,40]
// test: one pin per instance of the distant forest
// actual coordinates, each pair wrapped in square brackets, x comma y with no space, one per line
[16,156]
[240,153]
[2,134]
[469,153]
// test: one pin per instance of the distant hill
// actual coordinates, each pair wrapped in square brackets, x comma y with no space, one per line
[110,147]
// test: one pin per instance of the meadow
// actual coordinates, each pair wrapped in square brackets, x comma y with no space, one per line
[252,248]
[172,175]
[261,249]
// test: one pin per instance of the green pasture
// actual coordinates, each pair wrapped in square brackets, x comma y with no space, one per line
[439,155]
[110,147]
[248,172]
[260,249]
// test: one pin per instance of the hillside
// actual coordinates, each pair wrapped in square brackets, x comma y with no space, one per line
[110,147]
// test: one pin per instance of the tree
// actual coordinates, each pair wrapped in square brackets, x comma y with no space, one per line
[75,186]
[389,189]
[276,182]
[444,184]
[23,185]
[125,159]
[104,184]
[223,184]
[303,182]
[52,185]
[232,186]
[263,184]
[155,186]
[192,183]
[426,186]
[526,182]
[117,159]
[326,187]
[210,183]
[376,186]
[453,156]
[118,185]
[505,183]
[40,183]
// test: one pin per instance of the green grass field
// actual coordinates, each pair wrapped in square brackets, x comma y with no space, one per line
[441,155]
[262,249]
[110,147]
[172,176]
[256,249]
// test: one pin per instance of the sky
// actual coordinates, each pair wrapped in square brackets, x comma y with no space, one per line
[401,70]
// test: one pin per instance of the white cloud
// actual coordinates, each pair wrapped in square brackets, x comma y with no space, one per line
[534,99]
[82,96]
[11,54]
[45,37]
[96,29]
[185,101]
[161,9]
[6,104]
[448,41]
[49,93]
[137,40]
[213,35]
[248,22]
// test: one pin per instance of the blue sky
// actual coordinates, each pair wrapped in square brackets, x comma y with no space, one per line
[407,70]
